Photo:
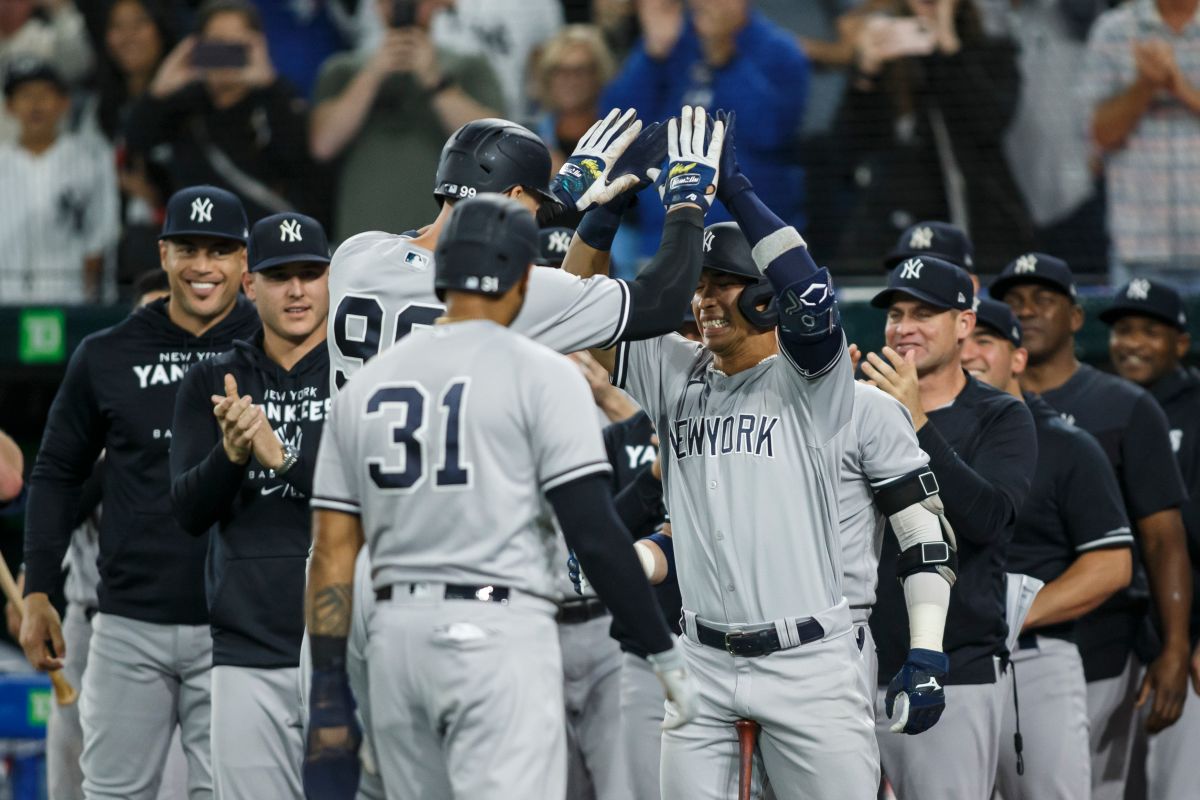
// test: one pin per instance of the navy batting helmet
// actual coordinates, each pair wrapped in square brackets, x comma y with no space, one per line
[726,250]
[486,246]
[492,155]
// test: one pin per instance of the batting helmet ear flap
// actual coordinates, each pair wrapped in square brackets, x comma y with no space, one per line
[753,296]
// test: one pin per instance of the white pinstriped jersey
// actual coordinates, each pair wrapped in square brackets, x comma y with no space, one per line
[56,209]
[444,446]
[381,288]
[878,446]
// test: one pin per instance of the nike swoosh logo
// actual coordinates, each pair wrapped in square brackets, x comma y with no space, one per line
[266,490]
[930,684]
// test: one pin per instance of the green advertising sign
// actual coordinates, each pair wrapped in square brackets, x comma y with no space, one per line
[43,337]
[38,710]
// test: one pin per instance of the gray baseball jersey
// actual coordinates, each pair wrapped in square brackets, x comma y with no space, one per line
[751,477]
[447,465]
[879,446]
[381,288]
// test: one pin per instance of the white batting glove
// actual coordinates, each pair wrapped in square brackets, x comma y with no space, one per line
[583,180]
[683,695]
[692,171]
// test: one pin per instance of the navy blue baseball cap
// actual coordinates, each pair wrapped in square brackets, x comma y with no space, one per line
[998,318]
[205,211]
[1147,298]
[1035,268]
[27,69]
[936,240]
[553,244]
[287,238]
[930,280]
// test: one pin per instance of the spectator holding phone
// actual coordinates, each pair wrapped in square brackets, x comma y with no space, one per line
[217,113]
[923,126]
[1142,87]
[386,115]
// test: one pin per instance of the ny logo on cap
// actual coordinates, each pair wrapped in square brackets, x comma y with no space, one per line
[911,270]
[921,239]
[559,242]
[708,240]
[1139,289]
[201,210]
[1026,263]
[289,231]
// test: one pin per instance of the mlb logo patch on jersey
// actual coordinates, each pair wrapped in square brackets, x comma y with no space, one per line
[416,261]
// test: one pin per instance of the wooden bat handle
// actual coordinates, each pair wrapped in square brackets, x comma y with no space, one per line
[64,692]
[747,731]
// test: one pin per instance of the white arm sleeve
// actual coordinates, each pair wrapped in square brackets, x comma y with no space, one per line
[927,596]
[914,525]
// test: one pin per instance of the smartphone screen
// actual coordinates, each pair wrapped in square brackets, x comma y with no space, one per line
[219,55]
[404,13]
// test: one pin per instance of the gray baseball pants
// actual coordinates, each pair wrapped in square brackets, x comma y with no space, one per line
[956,759]
[64,735]
[1112,719]
[816,741]
[1054,725]
[142,681]
[466,698]
[591,662]
[642,712]
[257,743]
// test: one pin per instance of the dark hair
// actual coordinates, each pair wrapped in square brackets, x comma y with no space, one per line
[212,8]
[152,280]
[111,87]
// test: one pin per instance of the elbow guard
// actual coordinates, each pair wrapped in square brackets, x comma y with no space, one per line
[915,510]
[808,311]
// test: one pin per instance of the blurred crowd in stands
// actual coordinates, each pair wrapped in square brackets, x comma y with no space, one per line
[1067,126]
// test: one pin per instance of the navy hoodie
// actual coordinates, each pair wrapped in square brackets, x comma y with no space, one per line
[119,396]
[259,521]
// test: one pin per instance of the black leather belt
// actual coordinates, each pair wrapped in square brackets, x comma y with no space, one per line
[755,643]
[585,609]
[456,591]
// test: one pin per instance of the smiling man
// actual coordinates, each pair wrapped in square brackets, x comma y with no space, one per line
[1148,340]
[982,447]
[247,426]
[148,668]
[1133,432]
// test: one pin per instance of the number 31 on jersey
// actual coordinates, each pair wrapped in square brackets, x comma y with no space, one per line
[405,405]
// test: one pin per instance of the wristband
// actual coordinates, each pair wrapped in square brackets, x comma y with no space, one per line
[668,547]
[599,227]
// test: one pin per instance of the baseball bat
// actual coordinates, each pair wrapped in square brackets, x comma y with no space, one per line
[64,692]
[747,731]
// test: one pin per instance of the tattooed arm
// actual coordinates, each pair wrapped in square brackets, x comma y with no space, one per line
[331,754]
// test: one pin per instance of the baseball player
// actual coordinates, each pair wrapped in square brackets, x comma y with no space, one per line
[1148,339]
[150,653]
[1073,536]
[752,410]
[461,643]
[1134,434]
[981,446]
[247,426]
[381,284]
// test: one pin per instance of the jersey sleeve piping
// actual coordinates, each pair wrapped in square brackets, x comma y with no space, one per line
[621,366]
[622,316]
[1120,537]
[575,473]
[336,504]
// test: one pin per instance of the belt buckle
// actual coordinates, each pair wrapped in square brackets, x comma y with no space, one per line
[729,647]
